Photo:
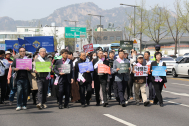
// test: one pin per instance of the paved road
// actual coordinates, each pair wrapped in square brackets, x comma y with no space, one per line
[174,113]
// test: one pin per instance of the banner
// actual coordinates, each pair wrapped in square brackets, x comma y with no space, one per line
[141,70]
[158,71]
[12,44]
[64,68]
[33,43]
[22,64]
[22,43]
[88,48]
[43,66]
[84,67]
[124,68]
[126,45]
[102,68]
[2,46]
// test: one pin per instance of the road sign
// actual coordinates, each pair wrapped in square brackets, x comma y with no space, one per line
[78,47]
[75,32]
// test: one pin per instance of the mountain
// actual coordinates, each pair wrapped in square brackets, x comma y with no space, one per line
[74,12]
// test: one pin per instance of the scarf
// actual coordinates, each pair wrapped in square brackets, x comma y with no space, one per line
[80,75]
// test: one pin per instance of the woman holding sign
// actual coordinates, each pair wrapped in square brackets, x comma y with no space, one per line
[158,79]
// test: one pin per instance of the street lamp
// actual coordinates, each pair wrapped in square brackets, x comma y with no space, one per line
[75,27]
[134,14]
[100,22]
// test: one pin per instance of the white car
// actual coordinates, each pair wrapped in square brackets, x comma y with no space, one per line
[181,67]
[170,63]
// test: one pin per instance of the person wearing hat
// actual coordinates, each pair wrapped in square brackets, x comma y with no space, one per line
[140,83]
[121,79]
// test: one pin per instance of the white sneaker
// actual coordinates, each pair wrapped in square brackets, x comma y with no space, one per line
[24,107]
[49,94]
[18,108]
[44,106]
[126,102]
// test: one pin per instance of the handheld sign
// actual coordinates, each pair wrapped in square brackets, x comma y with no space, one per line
[43,66]
[158,71]
[102,68]
[141,71]
[64,68]
[84,67]
[124,68]
[22,64]
[88,48]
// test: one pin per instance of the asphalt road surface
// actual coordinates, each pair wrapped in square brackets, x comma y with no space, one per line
[174,113]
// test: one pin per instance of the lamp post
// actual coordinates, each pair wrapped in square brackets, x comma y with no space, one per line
[75,27]
[100,23]
[134,14]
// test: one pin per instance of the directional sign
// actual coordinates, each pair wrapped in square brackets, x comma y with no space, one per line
[75,32]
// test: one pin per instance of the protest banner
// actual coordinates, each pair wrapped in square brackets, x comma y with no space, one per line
[141,70]
[126,45]
[22,64]
[102,68]
[158,71]
[86,66]
[88,48]
[43,66]
[12,44]
[124,68]
[64,68]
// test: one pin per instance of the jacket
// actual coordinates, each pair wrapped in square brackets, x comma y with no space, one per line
[40,74]
[69,76]
[123,76]
[86,75]
[163,77]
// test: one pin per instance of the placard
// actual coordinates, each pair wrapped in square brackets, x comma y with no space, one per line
[64,68]
[158,71]
[126,45]
[23,64]
[2,46]
[88,48]
[102,68]
[141,70]
[124,67]
[86,66]
[43,66]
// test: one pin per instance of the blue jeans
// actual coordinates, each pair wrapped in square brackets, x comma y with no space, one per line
[50,85]
[12,94]
[22,90]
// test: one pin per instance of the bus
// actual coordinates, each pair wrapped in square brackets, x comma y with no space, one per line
[115,46]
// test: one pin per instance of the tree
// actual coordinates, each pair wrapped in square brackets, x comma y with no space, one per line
[155,23]
[175,24]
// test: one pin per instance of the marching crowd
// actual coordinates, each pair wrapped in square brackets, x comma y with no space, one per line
[79,87]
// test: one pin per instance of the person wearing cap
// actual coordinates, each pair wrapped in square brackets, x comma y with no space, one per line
[100,79]
[140,83]
[121,79]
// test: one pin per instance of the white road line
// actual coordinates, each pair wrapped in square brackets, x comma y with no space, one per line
[174,93]
[177,103]
[180,84]
[119,120]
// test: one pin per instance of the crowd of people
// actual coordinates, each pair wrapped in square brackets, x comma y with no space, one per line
[79,87]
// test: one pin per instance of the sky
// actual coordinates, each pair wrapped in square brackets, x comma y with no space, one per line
[36,9]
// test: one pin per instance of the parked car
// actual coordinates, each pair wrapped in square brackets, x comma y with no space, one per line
[170,62]
[181,67]
[173,56]
[186,54]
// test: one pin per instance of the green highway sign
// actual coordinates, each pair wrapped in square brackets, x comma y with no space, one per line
[75,32]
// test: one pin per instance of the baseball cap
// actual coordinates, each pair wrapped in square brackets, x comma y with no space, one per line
[75,55]
[49,56]
[7,52]
[139,56]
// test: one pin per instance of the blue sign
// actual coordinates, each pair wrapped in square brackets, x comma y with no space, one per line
[12,44]
[22,42]
[77,45]
[33,43]
[84,67]
[158,71]
[2,46]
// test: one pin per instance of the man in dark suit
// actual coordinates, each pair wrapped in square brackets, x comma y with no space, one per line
[64,80]
[84,81]
[100,78]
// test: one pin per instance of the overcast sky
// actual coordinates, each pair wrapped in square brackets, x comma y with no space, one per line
[35,9]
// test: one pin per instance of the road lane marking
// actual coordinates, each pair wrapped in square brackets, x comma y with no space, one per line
[119,120]
[179,79]
[180,84]
[174,93]
[177,103]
